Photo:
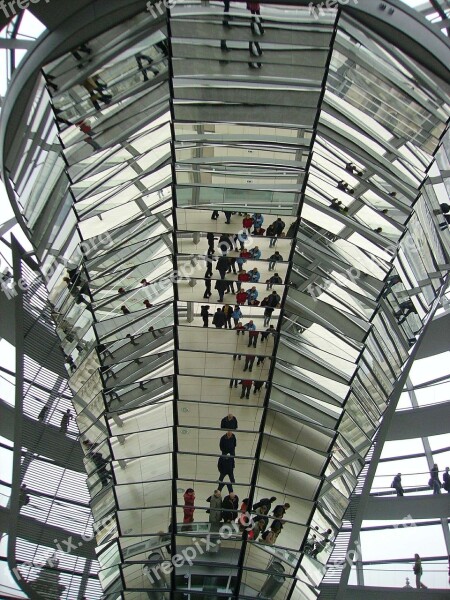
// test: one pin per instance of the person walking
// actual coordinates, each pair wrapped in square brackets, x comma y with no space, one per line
[222,266]
[207,293]
[188,509]
[210,238]
[225,466]
[278,228]
[417,569]
[228,443]
[204,313]
[221,287]
[397,484]
[65,420]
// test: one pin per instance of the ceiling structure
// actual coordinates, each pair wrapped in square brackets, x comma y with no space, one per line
[142,125]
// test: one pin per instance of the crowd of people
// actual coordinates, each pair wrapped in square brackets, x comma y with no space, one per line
[434,482]
[259,521]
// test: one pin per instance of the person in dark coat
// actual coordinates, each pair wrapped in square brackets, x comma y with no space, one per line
[221,287]
[228,312]
[265,502]
[446,480]
[210,238]
[229,507]
[204,313]
[270,331]
[228,443]
[397,484]
[225,465]
[67,416]
[280,510]
[275,279]
[434,480]
[229,422]
[207,293]
[219,318]
[24,498]
[222,266]
[42,415]
[273,259]
[417,569]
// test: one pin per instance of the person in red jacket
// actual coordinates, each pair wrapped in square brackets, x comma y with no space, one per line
[188,509]
[247,222]
[241,297]
[242,277]
[246,387]
[240,329]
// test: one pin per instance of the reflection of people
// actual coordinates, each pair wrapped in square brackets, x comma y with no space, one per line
[215,508]
[390,282]
[42,415]
[228,444]
[77,55]
[229,507]
[24,498]
[204,313]
[321,544]
[225,466]
[144,57]
[95,87]
[229,422]
[256,21]
[67,416]
[405,309]
[188,509]
[418,572]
